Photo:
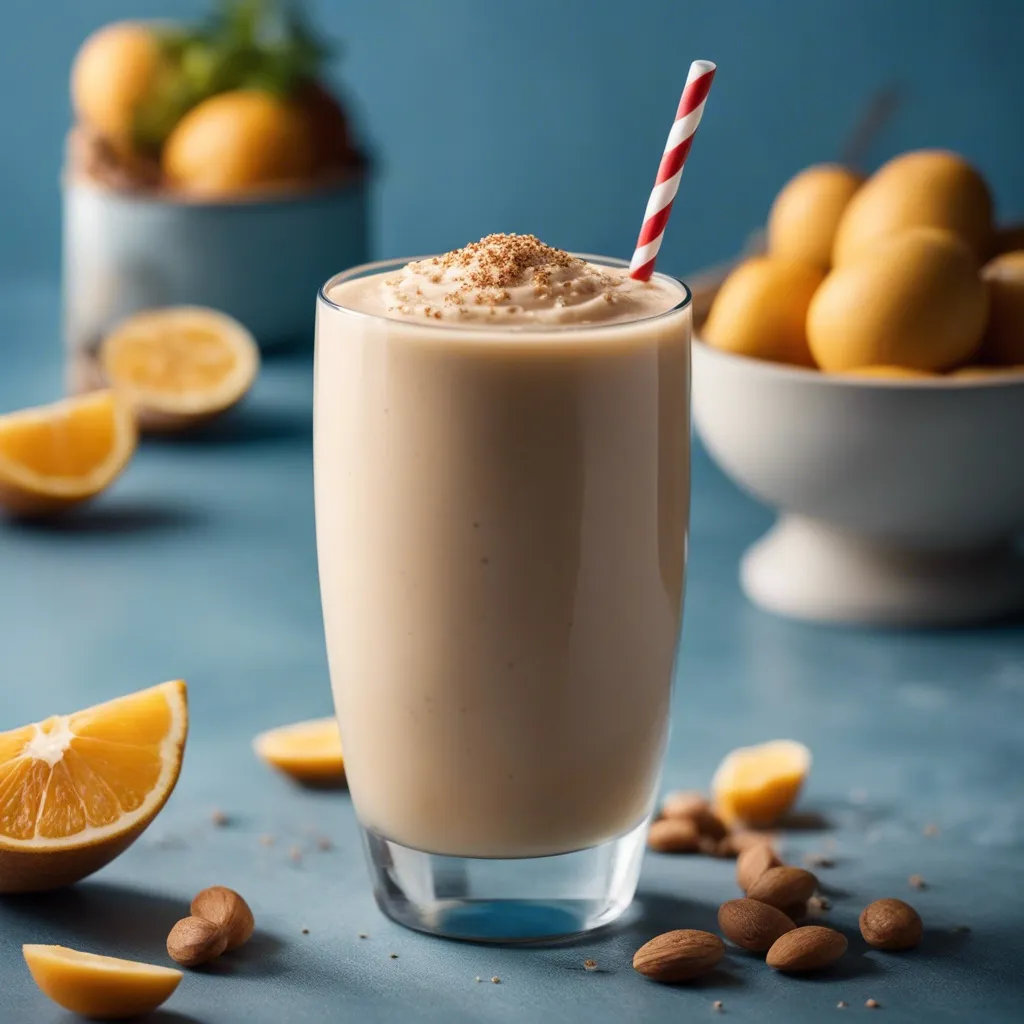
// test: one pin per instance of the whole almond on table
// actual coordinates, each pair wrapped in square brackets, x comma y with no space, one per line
[783,887]
[810,948]
[752,925]
[891,924]
[753,863]
[227,910]
[194,941]
[673,835]
[680,955]
[684,804]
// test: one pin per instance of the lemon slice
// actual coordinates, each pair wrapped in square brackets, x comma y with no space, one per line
[307,751]
[99,986]
[76,790]
[756,785]
[58,455]
[180,365]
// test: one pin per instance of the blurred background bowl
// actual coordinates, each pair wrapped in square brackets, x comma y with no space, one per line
[258,260]
[900,500]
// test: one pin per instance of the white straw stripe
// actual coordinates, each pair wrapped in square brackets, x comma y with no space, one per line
[646,252]
[685,126]
[662,194]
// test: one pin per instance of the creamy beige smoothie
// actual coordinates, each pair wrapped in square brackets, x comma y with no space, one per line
[502,493]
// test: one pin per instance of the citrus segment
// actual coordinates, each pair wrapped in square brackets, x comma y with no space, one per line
[307,751]
[102,987]
[57,455]
[180,364]
[76,790]
[757,785]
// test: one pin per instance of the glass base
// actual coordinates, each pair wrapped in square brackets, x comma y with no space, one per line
[529,899]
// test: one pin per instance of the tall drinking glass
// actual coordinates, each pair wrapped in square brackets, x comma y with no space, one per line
[502,517]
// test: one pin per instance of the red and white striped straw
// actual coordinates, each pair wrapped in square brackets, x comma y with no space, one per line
[666,185]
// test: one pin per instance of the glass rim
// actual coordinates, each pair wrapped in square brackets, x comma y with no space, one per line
[381,266]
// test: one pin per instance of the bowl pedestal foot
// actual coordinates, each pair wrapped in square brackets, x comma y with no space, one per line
[805,569]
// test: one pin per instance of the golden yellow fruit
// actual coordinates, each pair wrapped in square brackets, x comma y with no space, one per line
[239,142]
[56,456]
[761,310]
[926,188]
[77,790]
[894,372]
[101,987]
[309,752]
[804,217]
[755,786]
[1004,337]
[115,71]
[180,365]
[917,302]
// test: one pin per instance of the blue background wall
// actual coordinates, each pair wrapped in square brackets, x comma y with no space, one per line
[549,115]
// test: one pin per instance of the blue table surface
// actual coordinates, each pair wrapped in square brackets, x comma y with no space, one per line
[201,563]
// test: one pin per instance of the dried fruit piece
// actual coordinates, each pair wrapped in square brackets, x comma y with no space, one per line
[680,955]
[810,948]
[751,924]
[753,863]
[673,835]
[194,941]
[228,911]
[757,785]
[784,886]
[99,986]
[891,924]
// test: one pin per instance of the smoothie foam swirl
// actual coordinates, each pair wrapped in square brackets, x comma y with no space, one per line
[509,280]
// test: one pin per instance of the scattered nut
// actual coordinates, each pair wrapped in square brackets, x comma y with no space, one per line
[783,886]
[673,835]
[819,902]
[219,818]
[891,924]
[717,1005]
[478,978]
[227,910]
[363,935]
[873,1004]
[917,882]
[842,1004]
[684,804]
[590,965]
[194,941]
[810,948]
[680,955]
[753,863]
[495,980]
[324,844]
[752,925]
[394,956]
[305,931]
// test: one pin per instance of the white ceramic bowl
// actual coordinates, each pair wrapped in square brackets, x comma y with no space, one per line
[900,500]
[260,261]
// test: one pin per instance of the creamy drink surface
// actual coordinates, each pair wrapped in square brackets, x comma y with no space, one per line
[502,489]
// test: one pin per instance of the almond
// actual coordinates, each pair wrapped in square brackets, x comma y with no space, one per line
[684,804]
[680,955]
[783,886]
[745,839]
[673,835]
[751,924]
[194,941]
[753,863]
[226,909]
[710,824]
[891,924]
[806,949]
